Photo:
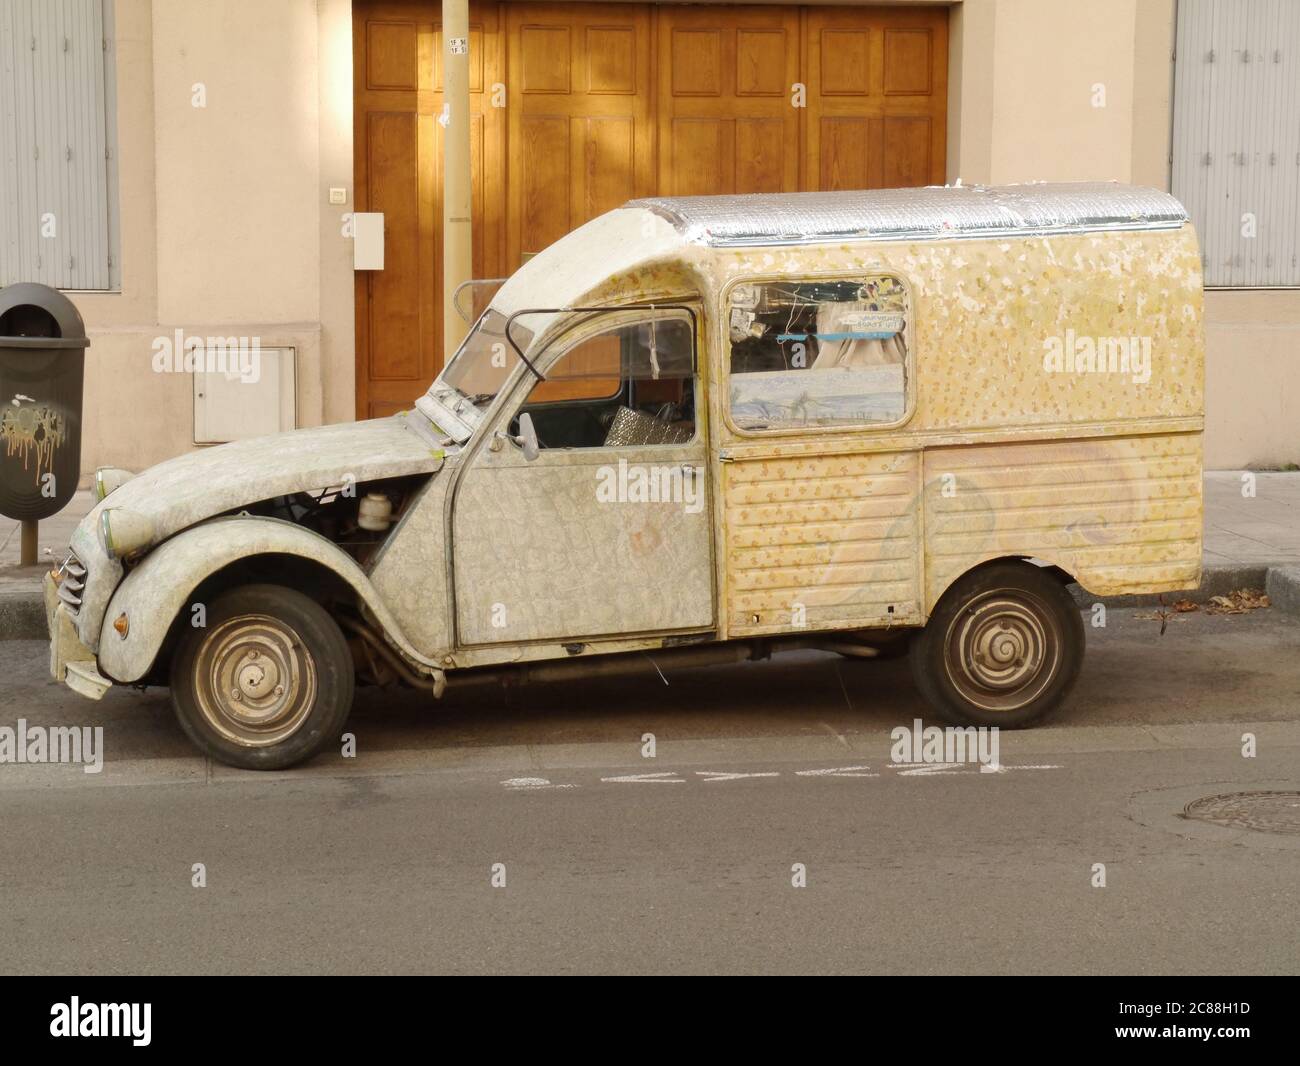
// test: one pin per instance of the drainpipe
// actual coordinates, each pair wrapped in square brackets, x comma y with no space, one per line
[457,262]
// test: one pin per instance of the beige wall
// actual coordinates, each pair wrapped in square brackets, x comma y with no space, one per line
[226,226]
[1252,377]
[225,222]
[1028,77]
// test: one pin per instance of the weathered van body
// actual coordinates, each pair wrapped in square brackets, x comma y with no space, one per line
[882,408]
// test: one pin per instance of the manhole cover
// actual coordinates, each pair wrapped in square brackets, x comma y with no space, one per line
[1265,812]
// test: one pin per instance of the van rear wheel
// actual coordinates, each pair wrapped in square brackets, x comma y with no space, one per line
[1002,648]
[267,682]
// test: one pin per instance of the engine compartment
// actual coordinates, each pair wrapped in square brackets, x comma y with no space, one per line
[358,517]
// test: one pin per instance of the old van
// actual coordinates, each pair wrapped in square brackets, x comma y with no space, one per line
[699,430]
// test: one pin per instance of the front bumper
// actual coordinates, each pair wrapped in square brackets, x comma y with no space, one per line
[71,662]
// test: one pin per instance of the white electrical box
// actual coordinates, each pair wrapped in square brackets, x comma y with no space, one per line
[249,394]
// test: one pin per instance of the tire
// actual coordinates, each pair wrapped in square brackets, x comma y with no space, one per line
[1002,648]
[255,637]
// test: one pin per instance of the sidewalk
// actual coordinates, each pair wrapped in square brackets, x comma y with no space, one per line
[1262,530]
[53,537]
[1250,541]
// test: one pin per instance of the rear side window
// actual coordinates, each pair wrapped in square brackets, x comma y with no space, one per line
[806,354]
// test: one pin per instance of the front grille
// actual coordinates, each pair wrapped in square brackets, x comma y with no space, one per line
[72,582]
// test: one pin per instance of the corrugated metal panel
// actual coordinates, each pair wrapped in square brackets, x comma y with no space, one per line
[1119,514]
[1236,138]
[54,145]
[834,535]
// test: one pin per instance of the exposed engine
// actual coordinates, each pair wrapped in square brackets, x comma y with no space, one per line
[358,517]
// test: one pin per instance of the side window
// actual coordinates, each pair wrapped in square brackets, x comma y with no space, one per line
[590,370]
[633,383]
[818,353]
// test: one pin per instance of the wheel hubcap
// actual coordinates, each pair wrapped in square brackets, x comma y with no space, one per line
[255,681]
[1003,650]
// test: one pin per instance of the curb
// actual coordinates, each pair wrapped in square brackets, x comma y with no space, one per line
[1283,588]
[22,607]
[22,604]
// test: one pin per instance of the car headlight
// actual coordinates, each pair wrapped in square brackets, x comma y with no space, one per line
[123,533]
[108,478]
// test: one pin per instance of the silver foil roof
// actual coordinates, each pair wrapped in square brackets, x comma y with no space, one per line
[909,214]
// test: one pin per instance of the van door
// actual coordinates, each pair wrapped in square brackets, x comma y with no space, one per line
[821,504]
[607,532]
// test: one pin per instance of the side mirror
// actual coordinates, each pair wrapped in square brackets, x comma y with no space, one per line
[527,438]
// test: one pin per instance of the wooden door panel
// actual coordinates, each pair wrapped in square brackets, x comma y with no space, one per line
[543,185]
[727,123]
[702,163]
[607,163]
[844,161]
[908,61]
[757,147]
[906,145]
[877,97]
[390,54]
[580,130]
[607,102]
[760,61]
[394,318]
[398,146]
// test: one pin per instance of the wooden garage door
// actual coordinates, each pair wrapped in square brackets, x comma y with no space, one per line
[397,151]
[581,138]
[577,107]
[727,120]
[877,97]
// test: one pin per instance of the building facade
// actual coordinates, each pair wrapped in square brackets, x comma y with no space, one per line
[216,151]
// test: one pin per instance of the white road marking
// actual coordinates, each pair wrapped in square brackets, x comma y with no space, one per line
[1003,768]
[667,777]
[836,771]
[677,777]
[940,769]
[721,775]
[927,769]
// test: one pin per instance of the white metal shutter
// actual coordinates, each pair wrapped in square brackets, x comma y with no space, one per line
[1236,136]
[57,184]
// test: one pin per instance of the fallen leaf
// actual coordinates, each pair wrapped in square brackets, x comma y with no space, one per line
[1239,602]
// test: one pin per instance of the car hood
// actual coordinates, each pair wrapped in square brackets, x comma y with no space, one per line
[181,491]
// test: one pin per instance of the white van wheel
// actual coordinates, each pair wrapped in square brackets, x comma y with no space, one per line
[1003,647]
[267,682]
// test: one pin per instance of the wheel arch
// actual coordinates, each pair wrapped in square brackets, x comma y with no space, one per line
[936,588]
[203,561]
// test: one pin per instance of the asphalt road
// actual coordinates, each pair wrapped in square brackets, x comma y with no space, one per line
[385,862]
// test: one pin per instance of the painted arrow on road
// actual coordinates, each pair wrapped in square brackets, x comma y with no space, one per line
[668,777]
[719,775]
[836,771]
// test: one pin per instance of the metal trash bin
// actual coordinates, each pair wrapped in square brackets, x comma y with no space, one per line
[42,366]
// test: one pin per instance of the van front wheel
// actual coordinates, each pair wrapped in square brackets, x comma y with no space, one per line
[267,682]
[1002,648]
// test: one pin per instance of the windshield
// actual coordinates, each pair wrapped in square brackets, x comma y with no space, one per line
[484,362]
